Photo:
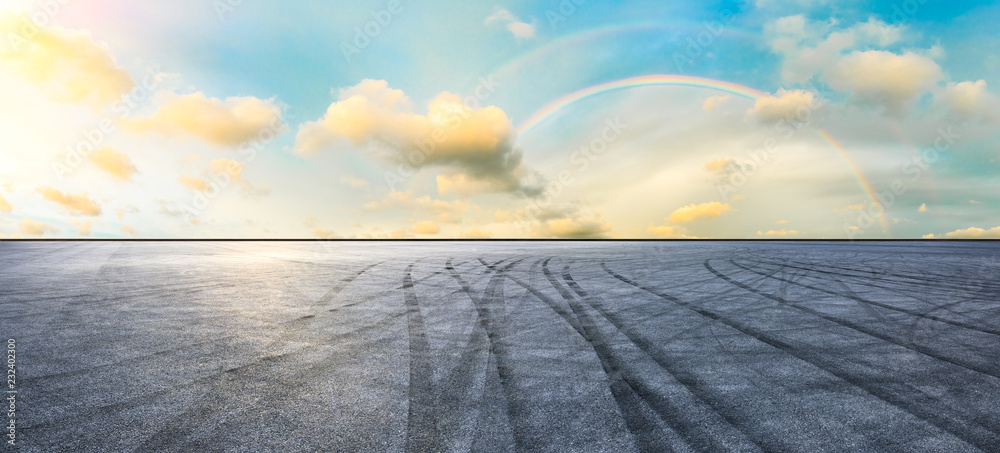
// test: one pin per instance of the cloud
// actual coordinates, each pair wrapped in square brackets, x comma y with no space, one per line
[4,205]
[224,123]
[669,231]
[80,204]
[782,232]
[514,25]
[885,78]
[127,229]
[474,146]
[67,65]
[113,162]
[234,170]
[794,105]
[194,183]
[324,234]
[227,167]
[713,102]
[446,211]
[354,183]
[426,228]
[567,222]
[718,165]
[974,233]
[782,222]
[476,233]
[32,228]
[699,211]
[922,208]
[84,228]
[810,47]
[971,99]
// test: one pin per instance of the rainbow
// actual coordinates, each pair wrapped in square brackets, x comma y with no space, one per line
[858,175]
[554,107]
[651,80]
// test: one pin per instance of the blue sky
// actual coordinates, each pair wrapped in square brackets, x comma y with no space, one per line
[335,133]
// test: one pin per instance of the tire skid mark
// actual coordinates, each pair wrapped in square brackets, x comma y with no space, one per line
[460,385]
[858,327]
[421,421]
[492,300]
[625,388]
[219,383]
[686,425]
[862,300]
[337,288]
[899,395]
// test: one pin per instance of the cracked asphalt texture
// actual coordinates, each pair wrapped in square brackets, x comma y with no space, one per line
[504,346]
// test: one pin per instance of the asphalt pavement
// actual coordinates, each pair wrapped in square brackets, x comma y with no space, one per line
[503,346]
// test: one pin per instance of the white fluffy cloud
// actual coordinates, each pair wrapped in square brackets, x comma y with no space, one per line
[474,146]
[971,99]
[794,105]
[885,78]
[812,47]
[516,26]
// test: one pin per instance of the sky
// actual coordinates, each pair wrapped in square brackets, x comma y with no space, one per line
[766,119]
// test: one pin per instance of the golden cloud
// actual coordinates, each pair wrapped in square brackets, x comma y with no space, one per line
[67,65]
[127,229]
[194,183]
[80,204]
[84,228]
[476,145]
[32,228]
[114,163]
[426,228]
[225,123]
[324,234]
[668,231]
[4,205]
[974,233]
[229,167]
[719,164]
[699,211]
[588,227]
[476,233]
[446,211]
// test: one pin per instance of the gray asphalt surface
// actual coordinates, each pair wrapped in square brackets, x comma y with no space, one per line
[610,346]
